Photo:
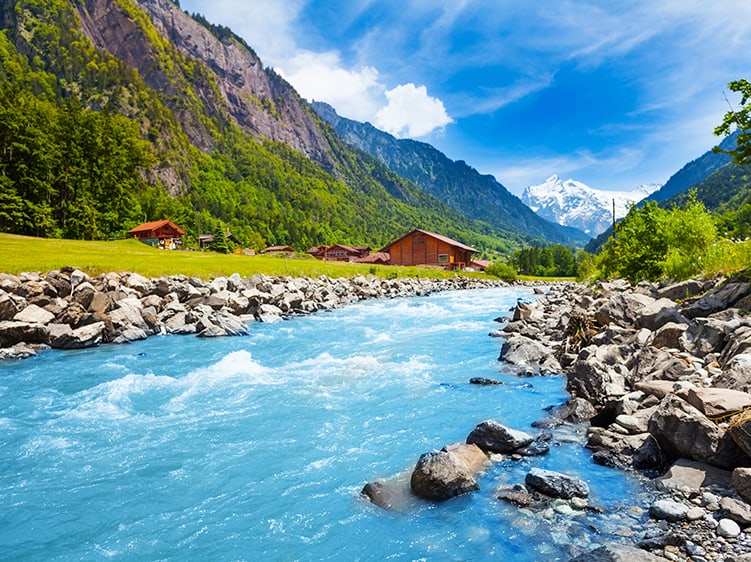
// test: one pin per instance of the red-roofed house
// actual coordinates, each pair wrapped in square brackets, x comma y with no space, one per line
[340,252]
[164,233]
[421,247]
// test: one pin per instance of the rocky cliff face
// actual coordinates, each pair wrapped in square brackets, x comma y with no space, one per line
[172,52]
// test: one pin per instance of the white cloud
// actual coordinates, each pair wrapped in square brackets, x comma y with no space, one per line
[411,112]
[354,93]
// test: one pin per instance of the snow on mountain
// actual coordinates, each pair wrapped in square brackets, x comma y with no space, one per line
[573,203]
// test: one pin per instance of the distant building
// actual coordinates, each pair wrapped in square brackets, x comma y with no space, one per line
[205,240]
[277,249]
[164,234]
[376,258]
[479,265]
[340,252]
[421,247]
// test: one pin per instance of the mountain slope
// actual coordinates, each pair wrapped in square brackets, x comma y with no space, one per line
[573,203]
[457,184]
[695,171]
[212,138]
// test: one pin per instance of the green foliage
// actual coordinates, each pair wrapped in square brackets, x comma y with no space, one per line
[739,120]
[551,261]
[652,243]
[503,271]
[89,150]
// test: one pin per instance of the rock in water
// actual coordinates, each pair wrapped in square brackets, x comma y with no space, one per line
[492,437]
[440,475]
[555,484]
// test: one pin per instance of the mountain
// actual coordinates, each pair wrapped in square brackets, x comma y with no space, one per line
[695,171]
[573,203]
[461,187]
[115,112]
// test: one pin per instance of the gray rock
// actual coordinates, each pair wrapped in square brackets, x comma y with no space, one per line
[8,307]
[738,511]
[13,332]
[622,309]
[492,437]
[703,336]
[668,510]
[728,528]
[658,314]
[523,351]
[682,291]
[618,553]
[440,475]
[595,381]
[34,314]
[556,484]
[690,475]
[85,336]
[669,335]
[718,402]
[741,480]
[683,431]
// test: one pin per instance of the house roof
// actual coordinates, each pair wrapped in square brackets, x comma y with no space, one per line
[155,225]
[445,239]
[376,257]
[278,249]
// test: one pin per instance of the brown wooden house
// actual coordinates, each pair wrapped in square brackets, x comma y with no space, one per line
[164,233]
[340,252]
[421,247]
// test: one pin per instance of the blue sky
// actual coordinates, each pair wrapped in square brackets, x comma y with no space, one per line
[611,93]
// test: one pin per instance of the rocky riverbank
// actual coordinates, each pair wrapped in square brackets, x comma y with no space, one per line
[661,375]
[68,309]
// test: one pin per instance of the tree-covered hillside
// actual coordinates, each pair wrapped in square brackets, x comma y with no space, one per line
[106,123]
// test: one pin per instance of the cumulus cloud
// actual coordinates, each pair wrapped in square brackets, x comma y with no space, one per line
[411,112]
[354,93]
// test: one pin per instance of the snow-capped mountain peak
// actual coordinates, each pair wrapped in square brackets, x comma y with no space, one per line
[573,203]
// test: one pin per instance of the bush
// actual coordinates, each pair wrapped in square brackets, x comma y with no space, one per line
[503,271]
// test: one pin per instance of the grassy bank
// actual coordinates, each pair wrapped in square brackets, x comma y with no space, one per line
[23,253]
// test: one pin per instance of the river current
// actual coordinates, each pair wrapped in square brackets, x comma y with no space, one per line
[256,447]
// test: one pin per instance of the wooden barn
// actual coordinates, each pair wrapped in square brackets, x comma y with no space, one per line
[421,247]
[340,252]
[165,234]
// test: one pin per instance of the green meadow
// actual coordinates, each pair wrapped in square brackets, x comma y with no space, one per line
[23,253]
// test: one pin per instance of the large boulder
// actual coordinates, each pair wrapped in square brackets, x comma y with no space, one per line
[34,314]
[704,336]
[740,431]
[669,335]
[13,332]
[659,313]
[682,291]
[721,297]
[741,480]
[690,475]
[440,475]
[556,484]
[8,307]
[492,437]
[622,309]
[718,402]
[523,352]
[85,336]
[737,374]
[593,379]
[683,431]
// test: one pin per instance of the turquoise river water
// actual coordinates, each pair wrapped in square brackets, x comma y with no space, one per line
[257,447]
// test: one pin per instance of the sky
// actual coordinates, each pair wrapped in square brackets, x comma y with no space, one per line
[613,93]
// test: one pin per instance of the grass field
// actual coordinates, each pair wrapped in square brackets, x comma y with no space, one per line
[23,253]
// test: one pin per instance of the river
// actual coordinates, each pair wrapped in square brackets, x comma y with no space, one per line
[256,447]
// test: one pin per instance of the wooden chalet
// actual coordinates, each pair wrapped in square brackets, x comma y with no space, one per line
[421,247]
[277,249]
[165,234]
[480,265]
[205,240]
[376,258]
[340,252]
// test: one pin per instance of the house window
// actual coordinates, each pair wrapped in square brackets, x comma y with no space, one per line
[443,258]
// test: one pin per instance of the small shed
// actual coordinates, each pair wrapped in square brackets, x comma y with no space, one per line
[480,265]
[165,234]
[421,247]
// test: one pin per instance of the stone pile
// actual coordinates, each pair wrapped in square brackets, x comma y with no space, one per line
[662,375]
[69,309]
